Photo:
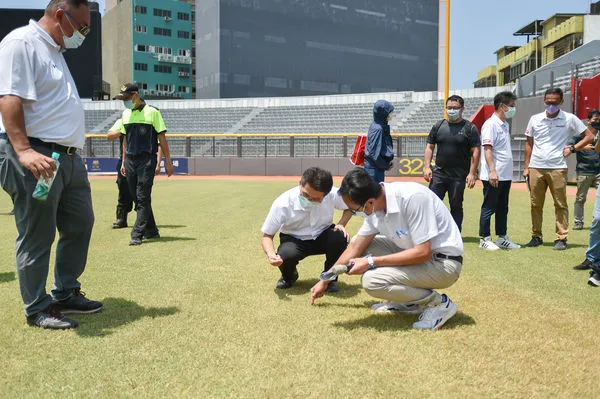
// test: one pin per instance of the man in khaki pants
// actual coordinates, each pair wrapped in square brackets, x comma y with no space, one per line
[545,164]
[413,247]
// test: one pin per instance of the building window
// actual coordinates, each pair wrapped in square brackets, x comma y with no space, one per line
[183,52]
[141,47]
[140,28]
[141,10]
[164,87]
[161,50]
[183,16]
[309,85]
[280,83]
[162,31]
[162,69]
[182,34]
[158,12]
[143,86]
[241,35]
[139,66]
[183,89]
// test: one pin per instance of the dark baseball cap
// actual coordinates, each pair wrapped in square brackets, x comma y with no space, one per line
[126,90]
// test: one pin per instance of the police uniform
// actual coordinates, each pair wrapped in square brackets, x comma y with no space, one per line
[141,129]
[125,199]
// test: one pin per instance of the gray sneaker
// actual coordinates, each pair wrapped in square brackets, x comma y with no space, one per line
[399,307]
[52,319]
[78,303]
[578,225]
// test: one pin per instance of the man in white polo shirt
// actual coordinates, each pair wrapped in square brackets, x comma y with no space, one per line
[546,167]
[304,217]
[413,246]
[496,173]
[41,113]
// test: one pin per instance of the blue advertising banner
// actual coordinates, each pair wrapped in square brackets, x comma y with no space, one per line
[107,166]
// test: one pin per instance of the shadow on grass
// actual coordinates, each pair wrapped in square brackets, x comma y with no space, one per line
[167,239]
[7,277]
[115,313]
[395,322]
[471,239]
[171,226]
[302,287]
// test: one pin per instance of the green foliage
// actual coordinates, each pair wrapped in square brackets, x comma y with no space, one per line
[195,314]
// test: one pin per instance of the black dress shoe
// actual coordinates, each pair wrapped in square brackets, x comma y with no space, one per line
[585,265]
[535,242]
[52,319]
[119,224]
[284,284]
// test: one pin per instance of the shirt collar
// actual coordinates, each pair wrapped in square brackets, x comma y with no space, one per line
[561,115]
[142,107]
[44,35]
[497,119]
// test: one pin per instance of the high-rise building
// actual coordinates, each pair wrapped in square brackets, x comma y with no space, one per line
[149,42]
[255,48]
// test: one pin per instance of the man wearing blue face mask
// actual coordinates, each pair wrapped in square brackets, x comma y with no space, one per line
[41,115]
[303,216]
[457,158]
[545,164]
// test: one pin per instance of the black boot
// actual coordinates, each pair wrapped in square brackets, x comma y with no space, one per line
[121,221]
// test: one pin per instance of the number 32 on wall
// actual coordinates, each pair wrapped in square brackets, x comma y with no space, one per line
[410,166]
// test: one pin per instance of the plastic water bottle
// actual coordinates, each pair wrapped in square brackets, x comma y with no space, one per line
[42,188]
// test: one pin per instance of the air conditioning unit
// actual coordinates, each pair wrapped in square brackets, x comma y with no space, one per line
[152,92]
[167,19]
[165,57]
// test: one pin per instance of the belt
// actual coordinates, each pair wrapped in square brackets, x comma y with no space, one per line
[53,146]
[450,257]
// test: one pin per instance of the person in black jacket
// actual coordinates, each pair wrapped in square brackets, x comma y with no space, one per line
[379,151]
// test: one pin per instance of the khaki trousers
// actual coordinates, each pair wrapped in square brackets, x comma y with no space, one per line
[539,181]
[409,284]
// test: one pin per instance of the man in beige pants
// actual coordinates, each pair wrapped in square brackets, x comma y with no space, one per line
[413,247]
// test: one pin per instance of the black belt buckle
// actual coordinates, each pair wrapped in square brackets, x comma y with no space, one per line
[70,150]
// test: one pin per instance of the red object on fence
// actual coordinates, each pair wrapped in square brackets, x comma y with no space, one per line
[358,155]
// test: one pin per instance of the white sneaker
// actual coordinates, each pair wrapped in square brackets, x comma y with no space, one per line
[400,307]
[487,244]
[505,243]
[434,317]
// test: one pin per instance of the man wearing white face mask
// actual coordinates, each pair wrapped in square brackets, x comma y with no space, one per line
[457,157]
[496,172]
[303,216]
[41,114]
[545,164]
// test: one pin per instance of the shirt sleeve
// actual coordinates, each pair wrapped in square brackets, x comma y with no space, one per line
[487,134]
[118,127]
[123,131]
[577,125]
[474,138]
[338,200]
[275,219]
[422,223]
[529,131]
[158,122]
[433,133]
[17,76]
[367,228]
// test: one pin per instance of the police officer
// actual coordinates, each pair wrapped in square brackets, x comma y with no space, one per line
[143,129]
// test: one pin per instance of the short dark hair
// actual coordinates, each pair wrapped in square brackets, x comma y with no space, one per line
[454,97]
[317,178]
[593,113]
[359,186]
[56,4]
[504,97]
[554,90]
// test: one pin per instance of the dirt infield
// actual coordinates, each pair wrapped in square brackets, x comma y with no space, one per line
[571,190]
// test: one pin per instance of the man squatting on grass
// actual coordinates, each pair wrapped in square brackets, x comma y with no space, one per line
[413,246]
[303,216]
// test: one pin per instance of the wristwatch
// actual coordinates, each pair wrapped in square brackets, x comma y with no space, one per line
[371,263]
[573,148]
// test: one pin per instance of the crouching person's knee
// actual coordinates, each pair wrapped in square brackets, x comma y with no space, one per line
[374,284]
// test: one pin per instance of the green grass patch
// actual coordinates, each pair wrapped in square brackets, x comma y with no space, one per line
[195,314]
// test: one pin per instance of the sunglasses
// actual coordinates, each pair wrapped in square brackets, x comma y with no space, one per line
[83,28]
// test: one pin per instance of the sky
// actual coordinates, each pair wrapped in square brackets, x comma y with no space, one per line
[477,29]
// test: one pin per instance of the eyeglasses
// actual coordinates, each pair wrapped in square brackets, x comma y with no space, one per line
[83,28]
[311,199]
[355,211]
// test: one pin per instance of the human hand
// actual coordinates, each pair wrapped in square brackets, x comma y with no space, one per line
[390,167]
[169,168]
[157,170]
[360,265]
[339,227]
[526,172]
[317,291]
[123,172]
[567,151]
[471,180]
[494,179]
[589,147]
[37,163]
[427,174]
[275,260]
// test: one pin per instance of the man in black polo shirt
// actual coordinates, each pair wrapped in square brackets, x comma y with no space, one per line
[144,131]
[457,158]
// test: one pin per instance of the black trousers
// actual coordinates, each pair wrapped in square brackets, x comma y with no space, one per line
[456,191]
[140,178]
[125,199]
[292,250]
[495,200]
